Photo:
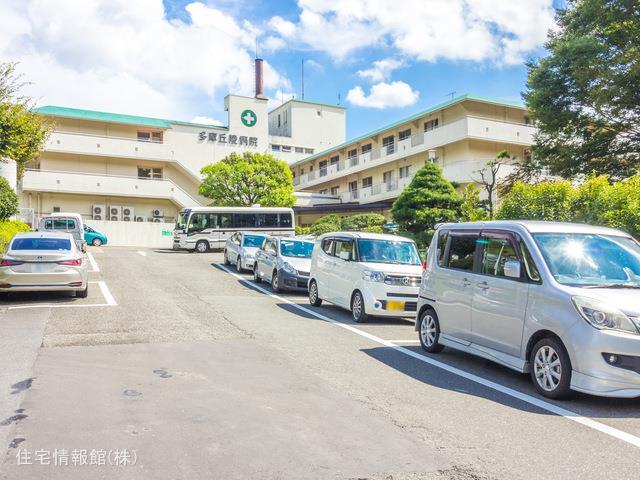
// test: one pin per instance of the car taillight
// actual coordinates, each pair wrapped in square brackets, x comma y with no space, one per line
[5,262]
[74,262]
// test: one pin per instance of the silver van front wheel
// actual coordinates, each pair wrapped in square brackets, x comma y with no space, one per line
[551,368]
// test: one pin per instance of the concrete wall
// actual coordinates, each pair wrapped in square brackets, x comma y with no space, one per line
[125,234]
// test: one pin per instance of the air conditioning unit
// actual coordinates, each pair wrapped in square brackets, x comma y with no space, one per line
[158,212]
[99,212]
[115,213]
[140,218]
[158,219]
[127,214]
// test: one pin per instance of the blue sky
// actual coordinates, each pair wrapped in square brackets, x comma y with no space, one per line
[178,58]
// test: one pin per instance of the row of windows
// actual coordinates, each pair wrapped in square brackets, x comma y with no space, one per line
[288,149]
[200,220]
[484,253]
[387,178]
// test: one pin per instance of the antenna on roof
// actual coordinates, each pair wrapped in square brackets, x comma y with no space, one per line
[452,94]
[302,70]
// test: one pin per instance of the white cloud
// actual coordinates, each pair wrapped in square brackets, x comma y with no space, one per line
[384,95]
[501,31]
[126,56]
[381,69]
[279,98]
[206,121]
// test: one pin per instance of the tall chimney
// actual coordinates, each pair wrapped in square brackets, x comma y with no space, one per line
[259,78]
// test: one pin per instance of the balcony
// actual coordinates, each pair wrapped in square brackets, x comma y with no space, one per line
[378,192]
[108,185]
[464,128]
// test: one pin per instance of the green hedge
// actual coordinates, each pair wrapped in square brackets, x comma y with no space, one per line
[8,229]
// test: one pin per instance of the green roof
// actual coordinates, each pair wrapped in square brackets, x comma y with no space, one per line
[415,116]
[93,115]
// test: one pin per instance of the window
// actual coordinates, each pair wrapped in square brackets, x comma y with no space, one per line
[344,247]
[367,182]
[308,150]
[285,220]
[225,220]
[365,148]
[404,171]
[335,159]
[154,173]
[200,221]
[404,134]
[319,113]
[279,120]
[311,168]
[302,171]
[353,186]
[323,168]
[327,246]
[529,265]
[461,251]
[286,148]
[60,224]
[324,191]
[387,177]
[270,246]
[389,144]
[299,150]
[267,220]
[352,153]
[442,247]
[26,243]
[335,190]
[431,125]
[244,220]
[285,116]
[497,250]
[56,209]
[252,240]
[155,137]
[527,120]
[275,148]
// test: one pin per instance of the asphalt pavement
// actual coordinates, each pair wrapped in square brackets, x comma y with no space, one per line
[194,371]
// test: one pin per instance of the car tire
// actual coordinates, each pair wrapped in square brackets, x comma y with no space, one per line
[96,242]
[357,308]
[83,293]
[550,367]
[202,246]
[429,331]
[239,264]
[256,276]
[226,258]
[314,299]
[275,282]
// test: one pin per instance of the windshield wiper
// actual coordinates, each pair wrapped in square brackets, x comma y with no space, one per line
[614,285]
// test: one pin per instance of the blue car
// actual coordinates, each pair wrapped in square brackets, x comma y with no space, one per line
[94,237]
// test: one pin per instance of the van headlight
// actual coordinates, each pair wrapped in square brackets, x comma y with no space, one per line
[287,267]
[603,316]
[371,276]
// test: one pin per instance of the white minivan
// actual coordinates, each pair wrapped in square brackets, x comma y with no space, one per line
[558,300]
[370,274]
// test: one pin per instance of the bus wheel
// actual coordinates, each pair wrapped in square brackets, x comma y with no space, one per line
[202,246]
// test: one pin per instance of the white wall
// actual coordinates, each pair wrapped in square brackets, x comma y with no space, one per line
[128,234]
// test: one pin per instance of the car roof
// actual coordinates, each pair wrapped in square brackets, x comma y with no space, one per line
[535,226]
[41,234]
[368,236]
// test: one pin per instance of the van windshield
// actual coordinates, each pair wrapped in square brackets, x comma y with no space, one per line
[388,251]
[589,260]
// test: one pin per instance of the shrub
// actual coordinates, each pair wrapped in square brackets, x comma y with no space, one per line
[303,230]
[326,224]
[8,200]
[364,222]
[543,201]
[471,210]
[8,229]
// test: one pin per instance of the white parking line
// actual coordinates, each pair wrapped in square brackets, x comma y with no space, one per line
[144,254]
[110,301]
[537,402]
[92,261]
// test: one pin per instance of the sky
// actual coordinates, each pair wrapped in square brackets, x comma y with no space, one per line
[177,59]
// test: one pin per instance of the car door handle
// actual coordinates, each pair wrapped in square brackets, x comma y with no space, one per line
[465,282]
[482,285]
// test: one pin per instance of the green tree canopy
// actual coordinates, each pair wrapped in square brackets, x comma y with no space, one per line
[427,200]
[326,224]
[8,200]
[585,95]
[22,132]
[246,180]
[364,222]
[543,201]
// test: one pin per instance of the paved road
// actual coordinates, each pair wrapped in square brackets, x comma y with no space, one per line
[204,376]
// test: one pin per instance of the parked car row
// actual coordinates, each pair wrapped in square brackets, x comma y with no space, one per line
[558,301]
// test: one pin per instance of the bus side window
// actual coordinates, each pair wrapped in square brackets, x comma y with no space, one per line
[285,220]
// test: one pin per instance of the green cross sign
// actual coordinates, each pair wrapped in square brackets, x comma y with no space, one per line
[248,118]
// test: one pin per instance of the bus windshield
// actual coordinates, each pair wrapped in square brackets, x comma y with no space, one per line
[181,222]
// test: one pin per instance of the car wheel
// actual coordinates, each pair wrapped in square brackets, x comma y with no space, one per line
[275,283]
[551,368]
[256,275]
[239,264]
[357,308]
[314,299]
[83,293]
[429,331]
[226,258]
[202,246]
[96,242]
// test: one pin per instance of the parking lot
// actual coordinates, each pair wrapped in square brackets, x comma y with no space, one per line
[205,374]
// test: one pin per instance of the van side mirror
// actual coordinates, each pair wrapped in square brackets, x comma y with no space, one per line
[344,256]
[512,269]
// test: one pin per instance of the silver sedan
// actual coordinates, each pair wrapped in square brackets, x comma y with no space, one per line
[43,261]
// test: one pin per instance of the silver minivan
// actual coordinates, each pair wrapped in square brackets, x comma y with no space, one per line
[558,300]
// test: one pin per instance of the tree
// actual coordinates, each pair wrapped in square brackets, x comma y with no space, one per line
[470,209]
[246,180]
[364,222]
[489,177]
[427,200]
[551,201]
[326,224]
[585,95]
[23,133]
[8,200]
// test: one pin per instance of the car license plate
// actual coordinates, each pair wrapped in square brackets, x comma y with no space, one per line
[395,305]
